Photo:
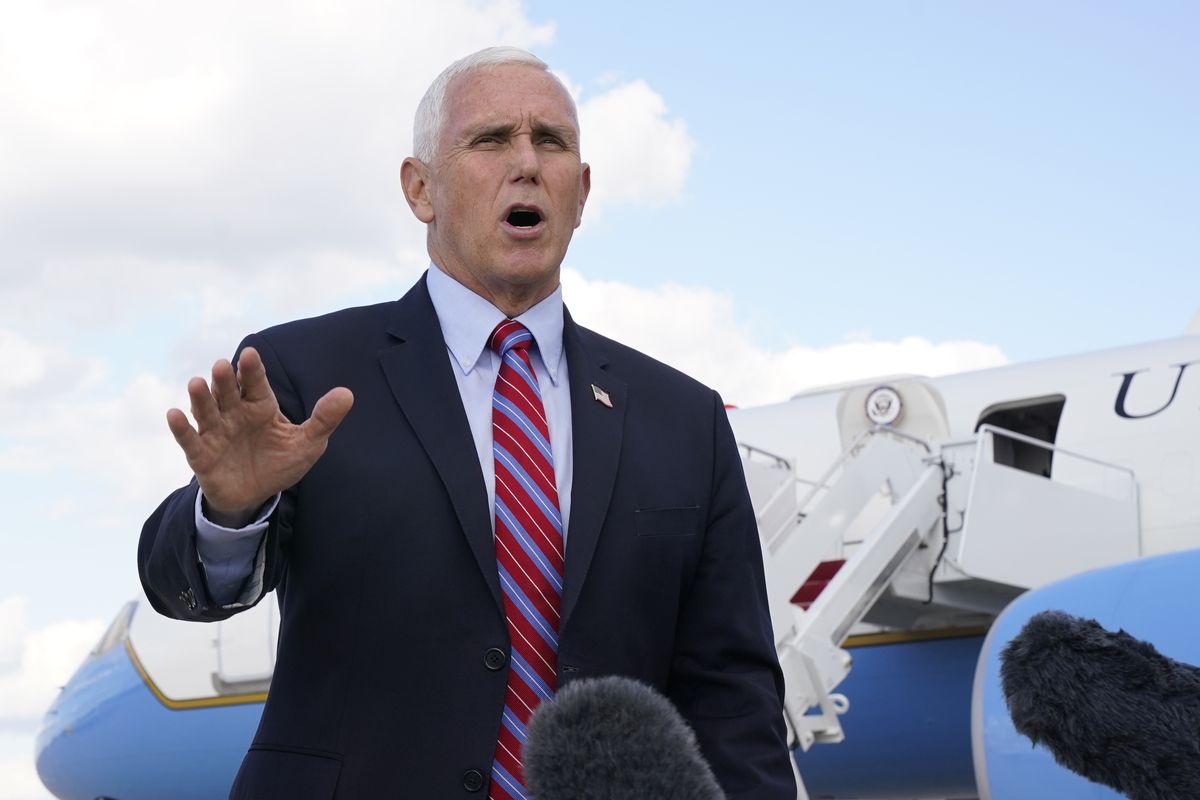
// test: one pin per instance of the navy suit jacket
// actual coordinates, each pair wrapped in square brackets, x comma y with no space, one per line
[387,681]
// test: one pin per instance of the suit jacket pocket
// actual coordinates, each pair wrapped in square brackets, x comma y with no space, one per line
[272,772]
[674,521]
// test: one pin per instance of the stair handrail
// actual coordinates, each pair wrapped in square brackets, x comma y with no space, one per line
[1051,446]
[852,452]
[778,459]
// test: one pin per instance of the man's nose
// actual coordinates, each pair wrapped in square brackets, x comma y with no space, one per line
[526,161]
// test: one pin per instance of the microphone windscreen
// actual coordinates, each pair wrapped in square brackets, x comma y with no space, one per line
[1108,706]
[613,738]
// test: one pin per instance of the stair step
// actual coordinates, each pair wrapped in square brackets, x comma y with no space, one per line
[808,593]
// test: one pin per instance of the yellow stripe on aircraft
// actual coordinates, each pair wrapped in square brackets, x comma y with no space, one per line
[197,702]
[900,637]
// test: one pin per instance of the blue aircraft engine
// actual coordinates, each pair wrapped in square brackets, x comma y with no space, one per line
[1152,599]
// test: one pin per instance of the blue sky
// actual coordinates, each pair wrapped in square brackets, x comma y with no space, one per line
[786,194]
[1020,173]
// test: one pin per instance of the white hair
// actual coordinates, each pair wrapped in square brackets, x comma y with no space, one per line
[431,111]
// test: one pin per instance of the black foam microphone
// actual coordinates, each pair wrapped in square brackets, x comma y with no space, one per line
[614,739]
[1108,706]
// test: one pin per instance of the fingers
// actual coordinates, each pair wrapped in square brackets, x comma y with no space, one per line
[328,413]
[185,435]
[204,406]
[228,389]
[225,386]
[252,376]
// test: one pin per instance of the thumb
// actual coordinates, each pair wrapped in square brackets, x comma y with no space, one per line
[328,413]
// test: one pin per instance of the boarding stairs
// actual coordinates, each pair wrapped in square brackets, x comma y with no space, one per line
[895,512]
[798,532]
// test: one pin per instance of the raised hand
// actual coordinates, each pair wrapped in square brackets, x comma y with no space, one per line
[244,451]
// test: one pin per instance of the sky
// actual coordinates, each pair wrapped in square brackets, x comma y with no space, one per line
[784,195]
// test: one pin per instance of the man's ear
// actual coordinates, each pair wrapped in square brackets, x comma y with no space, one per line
[414,179]
[585,180]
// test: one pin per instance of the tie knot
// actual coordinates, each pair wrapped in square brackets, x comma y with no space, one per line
[510,335]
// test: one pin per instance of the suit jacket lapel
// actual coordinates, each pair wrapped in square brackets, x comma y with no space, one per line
[418,372]
[596,440]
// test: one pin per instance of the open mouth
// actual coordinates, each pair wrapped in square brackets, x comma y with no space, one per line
[523,218]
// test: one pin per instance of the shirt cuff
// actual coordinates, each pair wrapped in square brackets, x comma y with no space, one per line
[233,559]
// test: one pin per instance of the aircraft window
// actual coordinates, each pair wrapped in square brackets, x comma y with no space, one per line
[117,631]
[1036,417]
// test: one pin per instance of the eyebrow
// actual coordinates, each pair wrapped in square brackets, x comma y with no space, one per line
[504,129]
[493,129]
[564,132]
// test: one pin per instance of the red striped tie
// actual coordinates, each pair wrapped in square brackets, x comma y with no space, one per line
[529,548]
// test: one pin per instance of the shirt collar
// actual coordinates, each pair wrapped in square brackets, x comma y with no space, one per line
[468,320]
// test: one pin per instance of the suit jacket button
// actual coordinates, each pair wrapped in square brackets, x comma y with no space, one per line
[472,780]
[495,659]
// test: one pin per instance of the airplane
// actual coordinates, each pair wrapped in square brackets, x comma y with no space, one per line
[909,526]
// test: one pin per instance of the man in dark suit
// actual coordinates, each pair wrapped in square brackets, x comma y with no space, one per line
[421,621]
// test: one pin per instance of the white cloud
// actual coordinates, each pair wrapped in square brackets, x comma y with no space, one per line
[18,776]
[12,631]
[34,663]
[34,373]
[118,443]
[696,330]
[147,150]
[24,362]
[60,419]
[185,96]
[639,156]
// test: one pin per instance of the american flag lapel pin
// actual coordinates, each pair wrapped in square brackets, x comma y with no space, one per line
[601,396]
